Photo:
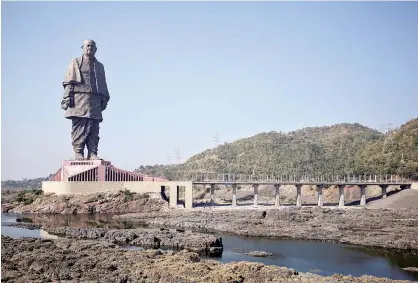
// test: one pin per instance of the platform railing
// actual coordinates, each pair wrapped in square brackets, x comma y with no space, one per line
[276,178]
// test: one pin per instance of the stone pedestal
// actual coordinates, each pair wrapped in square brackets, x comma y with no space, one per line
[96,170]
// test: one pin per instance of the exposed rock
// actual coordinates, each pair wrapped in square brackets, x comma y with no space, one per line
[122,202]
[148,238]
[259,254]
[38,260]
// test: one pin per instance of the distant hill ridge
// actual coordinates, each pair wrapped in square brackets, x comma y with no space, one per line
[346,148]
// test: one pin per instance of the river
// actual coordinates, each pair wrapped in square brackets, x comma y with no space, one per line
[304,256]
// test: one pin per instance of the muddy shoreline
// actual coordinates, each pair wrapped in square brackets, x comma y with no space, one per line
[40,260]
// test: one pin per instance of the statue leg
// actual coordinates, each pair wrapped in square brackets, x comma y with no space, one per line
[93,139]
[79,136]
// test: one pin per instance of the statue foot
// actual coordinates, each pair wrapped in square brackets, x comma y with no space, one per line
[79,156]
[93,156]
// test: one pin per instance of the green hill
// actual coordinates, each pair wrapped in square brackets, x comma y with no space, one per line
[338,149]
[396,152]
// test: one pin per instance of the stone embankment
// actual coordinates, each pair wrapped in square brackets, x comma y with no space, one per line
[382,228]
[64,260]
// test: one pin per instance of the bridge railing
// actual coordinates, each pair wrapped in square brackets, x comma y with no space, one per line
[275,178]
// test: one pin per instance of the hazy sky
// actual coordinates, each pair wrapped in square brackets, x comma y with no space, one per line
[179,72]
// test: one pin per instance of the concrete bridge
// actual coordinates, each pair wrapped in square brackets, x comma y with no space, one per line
[94,176]
[320,181]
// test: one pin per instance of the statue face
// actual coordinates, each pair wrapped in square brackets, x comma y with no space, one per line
[89,48]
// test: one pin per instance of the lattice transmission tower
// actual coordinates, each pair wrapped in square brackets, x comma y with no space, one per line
[215,139]
[177,156]
[388,131]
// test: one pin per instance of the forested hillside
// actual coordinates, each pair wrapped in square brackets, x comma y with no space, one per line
[397,152]
[338,149]
[314,150]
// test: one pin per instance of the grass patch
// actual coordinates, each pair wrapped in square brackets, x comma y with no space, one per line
[28,196]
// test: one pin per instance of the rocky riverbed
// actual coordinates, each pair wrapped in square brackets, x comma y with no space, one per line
[65,260]
[147,238]
[382,228]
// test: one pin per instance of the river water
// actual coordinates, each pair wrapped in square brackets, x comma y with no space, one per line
[304,256]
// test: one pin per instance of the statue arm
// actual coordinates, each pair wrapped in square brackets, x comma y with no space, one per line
[67,99]
[71,77]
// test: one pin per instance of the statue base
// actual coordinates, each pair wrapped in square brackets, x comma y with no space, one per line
[100,176]
[97,170]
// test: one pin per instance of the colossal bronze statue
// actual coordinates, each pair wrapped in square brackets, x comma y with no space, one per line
[85,97]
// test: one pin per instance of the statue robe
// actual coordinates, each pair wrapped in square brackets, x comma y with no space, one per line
[90,92]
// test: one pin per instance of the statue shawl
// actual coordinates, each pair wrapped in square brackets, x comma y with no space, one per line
[73,75]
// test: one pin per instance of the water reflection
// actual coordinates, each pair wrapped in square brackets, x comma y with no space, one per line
[15,232]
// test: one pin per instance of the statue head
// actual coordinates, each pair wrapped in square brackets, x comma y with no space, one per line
[89,48]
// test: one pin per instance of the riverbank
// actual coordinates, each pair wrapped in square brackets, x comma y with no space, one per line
[34,201]
[394,229]
[40,260]
[377,228]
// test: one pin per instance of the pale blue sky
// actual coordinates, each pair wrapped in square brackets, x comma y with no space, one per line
[179,72]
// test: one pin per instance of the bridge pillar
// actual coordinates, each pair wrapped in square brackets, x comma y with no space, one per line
[234,195]
[384,190]
[363,195]
[341,193]
[319,189]
[298,195]
[277,203]
[212,192]
[188,196]
[255,186]
[174,195]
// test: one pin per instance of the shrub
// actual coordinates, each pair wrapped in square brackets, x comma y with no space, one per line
[128,195]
